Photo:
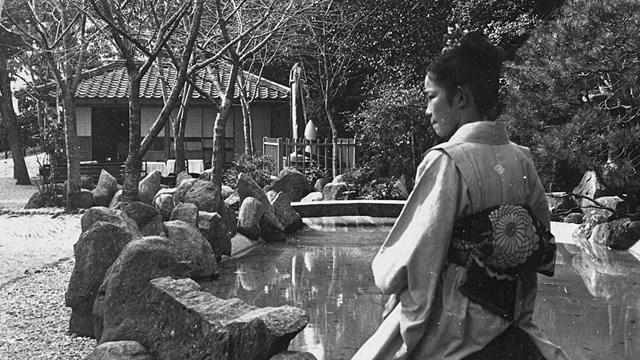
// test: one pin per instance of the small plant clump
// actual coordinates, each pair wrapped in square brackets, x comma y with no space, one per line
[258,167]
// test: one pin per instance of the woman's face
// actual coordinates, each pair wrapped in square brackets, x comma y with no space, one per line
[445,117]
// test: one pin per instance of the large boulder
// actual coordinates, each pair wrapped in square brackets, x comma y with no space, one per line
[226,191]
[341,178]
[183,188]
[165,202]
[147,217]
[271,194]
[574,218]
[105,189]
[193,248]
[233,201]
[271,233]
[116,217]
[561,203]
[293,183]
[183,175]
[403,185]
[214,229]
[320,183]
[149,187]
[619,234]
[604,209]
[313,196]
[335,191]
[249,188]
[186,212]
[86,182]
[178,321]
[251,212]
[96,250]
[590,187]
[607,208]
[230,217]
[122,297]
[119,350]
[36,201]
[205,194]
[85,199]
[288,217]
[115,201]
[206,175]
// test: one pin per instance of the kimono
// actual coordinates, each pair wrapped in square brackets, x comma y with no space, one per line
[476,169]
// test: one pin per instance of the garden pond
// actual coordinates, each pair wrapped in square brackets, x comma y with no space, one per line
[591,307]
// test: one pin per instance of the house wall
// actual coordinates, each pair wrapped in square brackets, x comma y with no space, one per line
[83,125]
[198,133]
[261,115]
[148,116]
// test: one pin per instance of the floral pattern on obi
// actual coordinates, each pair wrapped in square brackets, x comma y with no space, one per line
[506,239]
[514,237]
[495,246]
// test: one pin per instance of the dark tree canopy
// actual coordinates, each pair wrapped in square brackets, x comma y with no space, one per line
[573,95]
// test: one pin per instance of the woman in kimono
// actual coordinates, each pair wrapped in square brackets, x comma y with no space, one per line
[460,264]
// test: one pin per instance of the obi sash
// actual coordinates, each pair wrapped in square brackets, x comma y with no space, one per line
[495,246]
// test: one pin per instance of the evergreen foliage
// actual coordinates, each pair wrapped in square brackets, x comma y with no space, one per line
[573,96]
[393,130]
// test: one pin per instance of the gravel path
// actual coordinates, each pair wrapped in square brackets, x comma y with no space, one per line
[28,242]
[36,260]
[34,320]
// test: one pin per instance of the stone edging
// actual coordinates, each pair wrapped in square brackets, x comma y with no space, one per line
[39,211]
[373,208]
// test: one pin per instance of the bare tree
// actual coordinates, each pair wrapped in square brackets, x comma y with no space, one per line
[128,22]
[58,31]
[10,43]
[264,56]
[241,29]
[331,55]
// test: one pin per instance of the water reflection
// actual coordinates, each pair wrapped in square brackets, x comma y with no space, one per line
[591,307]
[328,274]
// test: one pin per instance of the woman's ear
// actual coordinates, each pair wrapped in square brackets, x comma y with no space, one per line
[462,97]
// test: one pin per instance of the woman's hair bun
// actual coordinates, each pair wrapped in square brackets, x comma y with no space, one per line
[475,45]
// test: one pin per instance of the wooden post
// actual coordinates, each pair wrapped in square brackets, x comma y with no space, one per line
[279,160]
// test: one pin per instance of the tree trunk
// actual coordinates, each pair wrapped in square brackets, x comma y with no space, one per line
[73,151]
[20,172]
[226,96]
[248,125]
[179,128]
[334,138]
[217,159]
[133,165]
[178,133]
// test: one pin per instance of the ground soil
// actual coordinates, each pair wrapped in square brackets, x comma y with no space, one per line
[36,260]
[29,241]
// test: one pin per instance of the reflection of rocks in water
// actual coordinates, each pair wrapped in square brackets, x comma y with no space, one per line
[591,307]
[253,279]
[323,273]
[599,278]
[588,329]
[605,276]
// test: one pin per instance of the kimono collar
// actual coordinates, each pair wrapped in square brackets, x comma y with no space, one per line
[485,132]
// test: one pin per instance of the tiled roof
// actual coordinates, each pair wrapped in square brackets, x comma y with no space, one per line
[111,81]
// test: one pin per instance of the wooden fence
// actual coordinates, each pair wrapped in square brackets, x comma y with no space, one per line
[303,154]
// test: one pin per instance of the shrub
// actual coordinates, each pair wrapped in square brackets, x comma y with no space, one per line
[574,96]
[257,167]
[393,130]
[314,171]
[365,184]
